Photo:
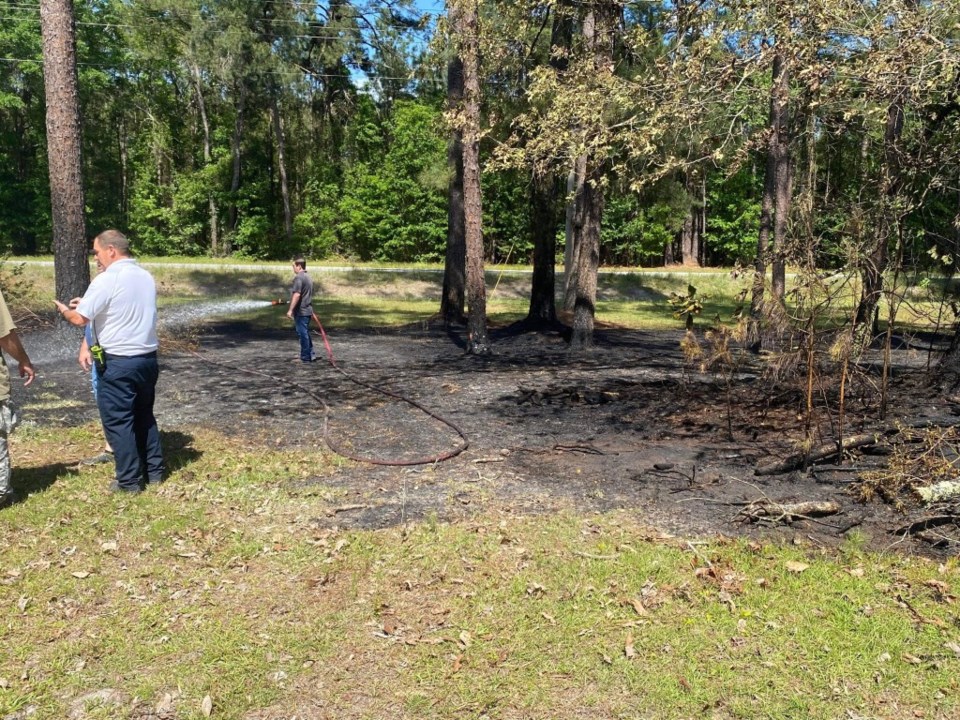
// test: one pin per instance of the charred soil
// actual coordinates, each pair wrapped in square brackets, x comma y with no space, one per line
[633,425]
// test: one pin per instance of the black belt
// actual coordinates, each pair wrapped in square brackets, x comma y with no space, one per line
[111,356]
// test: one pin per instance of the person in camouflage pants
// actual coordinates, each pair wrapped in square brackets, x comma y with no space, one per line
[10,344]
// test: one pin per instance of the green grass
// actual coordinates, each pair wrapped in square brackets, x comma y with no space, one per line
[221,584]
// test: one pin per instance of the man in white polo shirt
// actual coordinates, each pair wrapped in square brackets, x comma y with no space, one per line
[121,307]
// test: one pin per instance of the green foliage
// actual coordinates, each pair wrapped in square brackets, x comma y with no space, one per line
[733,220]
[395,208]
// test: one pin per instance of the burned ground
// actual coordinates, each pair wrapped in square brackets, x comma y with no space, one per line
[631,425]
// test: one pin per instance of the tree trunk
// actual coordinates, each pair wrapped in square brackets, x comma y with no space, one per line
[574,215]
[543,308]
[282,166]
[597,27]
[889,226]
[452,301]
[783,184]
[235,149]
[71,261]
[588,261]
[213,211]
[767,206]
[543,289]
[478,342]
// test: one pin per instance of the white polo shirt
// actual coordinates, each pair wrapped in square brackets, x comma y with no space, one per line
[121,304]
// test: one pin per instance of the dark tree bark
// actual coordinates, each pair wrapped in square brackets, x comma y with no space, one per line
[597,35]
[544,206]
[212,208]
[691,234]
[783,183]
[877,258]
[236,147]
[277,119]
[72,264]
[588,261]
[768,204]
[453,298]
[575,214]
[543,218]
[478,342]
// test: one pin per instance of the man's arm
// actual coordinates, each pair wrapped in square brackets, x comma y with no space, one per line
[12,346]
[71,316]
[294,302]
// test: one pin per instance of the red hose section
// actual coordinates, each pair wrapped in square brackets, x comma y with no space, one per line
[429,460]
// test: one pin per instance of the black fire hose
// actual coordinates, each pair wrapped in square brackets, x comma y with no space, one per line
[428,460]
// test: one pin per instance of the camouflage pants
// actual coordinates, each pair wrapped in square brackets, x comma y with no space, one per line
[8,421]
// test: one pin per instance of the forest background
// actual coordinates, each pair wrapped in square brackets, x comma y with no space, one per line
[261,127]
[817,135]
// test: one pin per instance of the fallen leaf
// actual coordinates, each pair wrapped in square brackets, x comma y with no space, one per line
[465,639]
[856,572]
[912,659]
[206,707]
[953,647]
[684,684]
[638,607]
[81,574]
[796,567]
[628,648]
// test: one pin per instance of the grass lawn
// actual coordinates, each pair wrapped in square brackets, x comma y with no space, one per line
[222,589]
[229,592]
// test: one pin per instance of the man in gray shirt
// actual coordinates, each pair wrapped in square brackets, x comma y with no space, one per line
[301,308]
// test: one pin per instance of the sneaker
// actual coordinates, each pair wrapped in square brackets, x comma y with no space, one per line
[103,457]
[117,488]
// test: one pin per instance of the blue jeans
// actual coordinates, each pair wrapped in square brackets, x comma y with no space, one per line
[125,395]
[302,324]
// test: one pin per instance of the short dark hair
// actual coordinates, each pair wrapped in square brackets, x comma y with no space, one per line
[300,262]
[116,239]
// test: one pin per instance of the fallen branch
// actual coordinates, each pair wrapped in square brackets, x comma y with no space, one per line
[773,512]
[831,449]
[822,453]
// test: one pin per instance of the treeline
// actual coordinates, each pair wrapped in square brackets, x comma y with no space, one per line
[260,128]
[264,127]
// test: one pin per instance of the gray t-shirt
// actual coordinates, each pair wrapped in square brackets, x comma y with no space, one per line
[304,285]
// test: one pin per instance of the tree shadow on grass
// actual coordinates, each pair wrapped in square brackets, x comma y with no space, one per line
[28,481]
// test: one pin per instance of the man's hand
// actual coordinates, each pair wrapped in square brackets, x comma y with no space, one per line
[85,358]
[74,302]
[27,371]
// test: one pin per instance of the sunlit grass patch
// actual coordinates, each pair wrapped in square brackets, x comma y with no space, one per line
[223,584]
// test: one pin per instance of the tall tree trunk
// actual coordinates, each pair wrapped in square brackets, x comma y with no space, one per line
[543,308]
[213,211]
[574,216]
[72,264]
[877,258]
[767,206]
[690,237]
[235,149]
[282,165]
[543,289]
[784,175]
[588,262]
[452,300]
[478,342]
[597,33]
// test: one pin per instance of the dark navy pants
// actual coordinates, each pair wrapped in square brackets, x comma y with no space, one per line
[125,396]
[302,324]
